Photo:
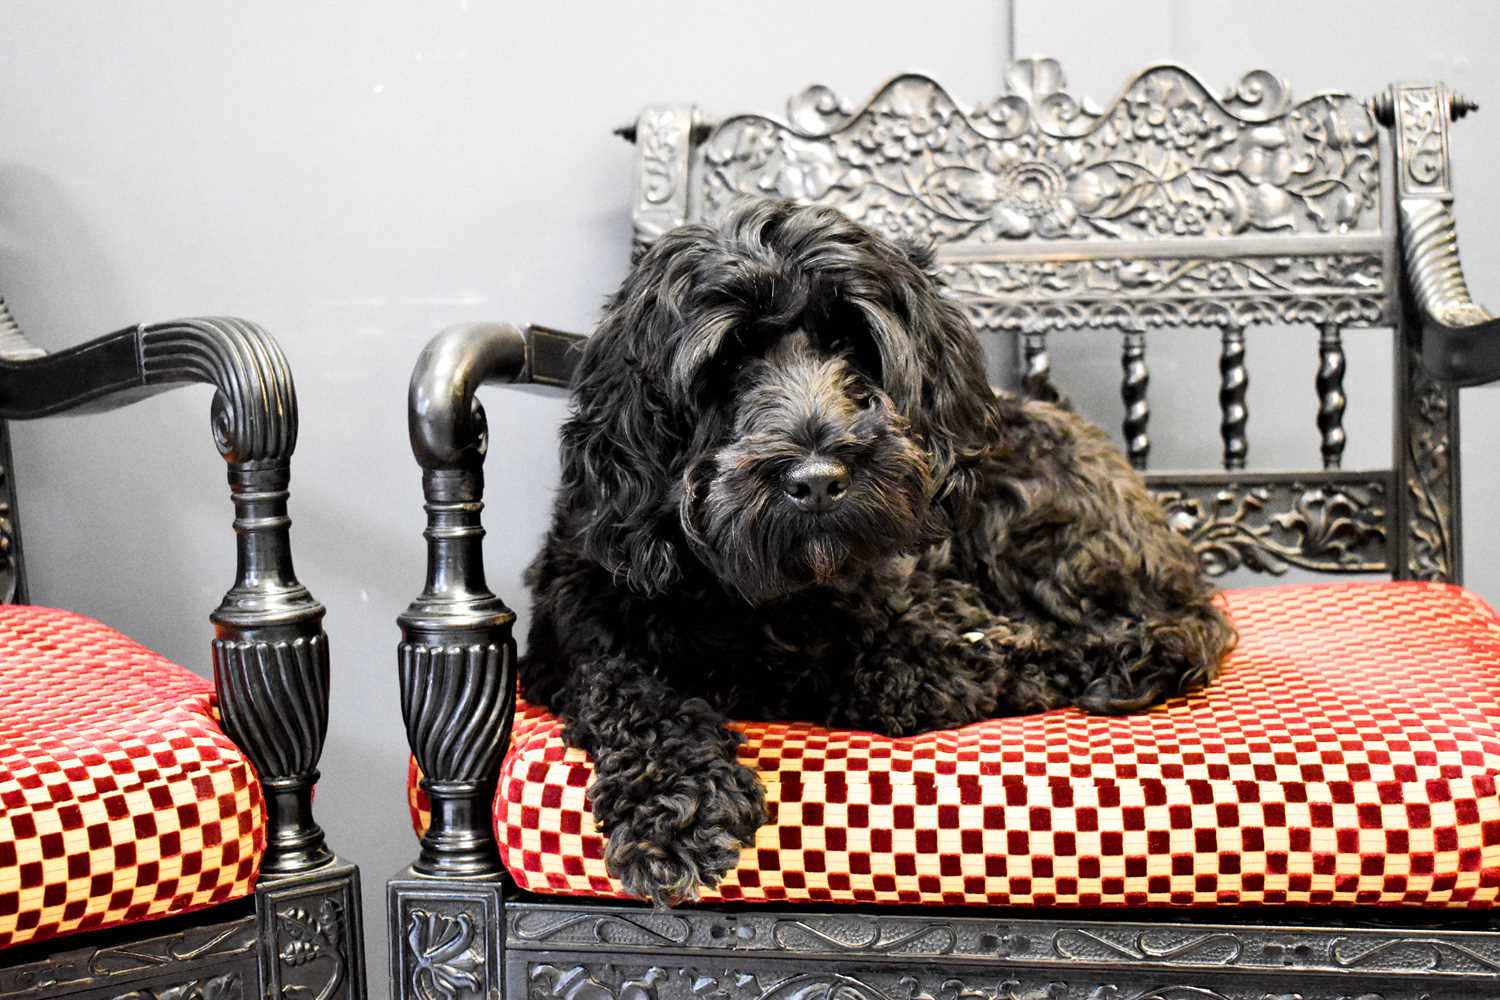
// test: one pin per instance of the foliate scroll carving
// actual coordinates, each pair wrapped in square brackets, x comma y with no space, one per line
[1431,552]
[663,137]
[1134,292]
[445,938]
[607,981]
[1167,159]
[311,941]
[447,962]
[1053,949]
[78,969]
[1326,526]
[308,936]
[226,987]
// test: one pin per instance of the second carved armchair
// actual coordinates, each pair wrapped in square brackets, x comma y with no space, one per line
[157,840]
[1321,822]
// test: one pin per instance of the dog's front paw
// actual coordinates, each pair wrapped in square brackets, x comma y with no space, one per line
[678,841]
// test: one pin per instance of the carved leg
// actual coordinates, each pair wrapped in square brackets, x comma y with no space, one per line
[445,937]
[311,935]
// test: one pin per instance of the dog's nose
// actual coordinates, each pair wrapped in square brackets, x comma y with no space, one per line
[817,484]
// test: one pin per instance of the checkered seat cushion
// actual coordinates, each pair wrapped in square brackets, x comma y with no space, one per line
[1347,755]
[120,798]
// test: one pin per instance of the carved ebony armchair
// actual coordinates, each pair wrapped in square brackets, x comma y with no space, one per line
[157,840]
[1322,822]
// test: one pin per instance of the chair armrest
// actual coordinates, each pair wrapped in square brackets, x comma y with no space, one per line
[270,653]
[456,658]
[1459,339]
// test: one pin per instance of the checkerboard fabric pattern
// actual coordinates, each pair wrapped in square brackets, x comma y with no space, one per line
[1347,755]
[120,798]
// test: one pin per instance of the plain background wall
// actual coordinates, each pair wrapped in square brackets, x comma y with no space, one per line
[356,176]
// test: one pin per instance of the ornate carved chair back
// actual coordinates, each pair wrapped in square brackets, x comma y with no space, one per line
[1168,207]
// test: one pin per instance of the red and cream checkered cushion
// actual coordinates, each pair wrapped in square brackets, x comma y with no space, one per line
[120,798]
[1348,754]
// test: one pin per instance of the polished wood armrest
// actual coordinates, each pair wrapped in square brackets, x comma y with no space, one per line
[270,653]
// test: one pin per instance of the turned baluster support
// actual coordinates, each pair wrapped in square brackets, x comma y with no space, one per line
[1036,381]
[270,653]
[1135,380]
[1234,410]
[1331,399]
[456,658]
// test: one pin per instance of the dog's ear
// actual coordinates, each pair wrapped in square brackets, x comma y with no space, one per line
[955,411]
[624,434]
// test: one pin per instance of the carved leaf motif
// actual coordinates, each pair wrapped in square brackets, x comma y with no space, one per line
[309,938]
[1430,549]
[225,987]
[445,963]
[1422,135]
[660,151]
[1269,527]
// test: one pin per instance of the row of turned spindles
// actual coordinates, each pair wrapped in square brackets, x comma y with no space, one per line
[1234,383]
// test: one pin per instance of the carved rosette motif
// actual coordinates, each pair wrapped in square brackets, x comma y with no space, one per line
[1167,159]
[1329,527]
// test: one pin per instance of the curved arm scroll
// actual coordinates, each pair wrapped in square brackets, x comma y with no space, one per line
[270,653]
[1460,340]
[456,657]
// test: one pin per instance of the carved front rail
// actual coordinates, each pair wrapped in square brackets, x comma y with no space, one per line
[270,653]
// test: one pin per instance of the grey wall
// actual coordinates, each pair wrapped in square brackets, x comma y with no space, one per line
[358,175]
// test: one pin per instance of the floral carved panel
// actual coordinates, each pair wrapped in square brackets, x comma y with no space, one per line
[1167,159]
[1335,526]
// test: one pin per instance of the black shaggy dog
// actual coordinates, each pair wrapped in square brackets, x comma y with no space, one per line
[788,493]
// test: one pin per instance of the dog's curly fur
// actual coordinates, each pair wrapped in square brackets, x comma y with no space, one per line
[990,554]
